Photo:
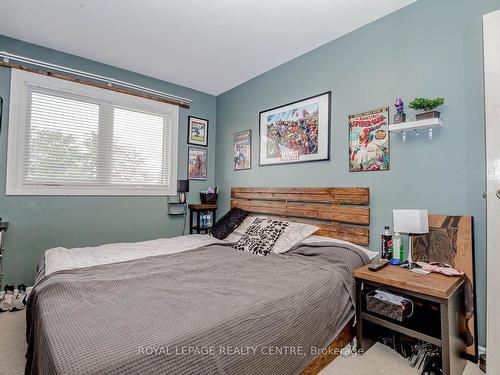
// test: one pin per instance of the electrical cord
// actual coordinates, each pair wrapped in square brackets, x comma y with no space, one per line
[412,307]
[184,226]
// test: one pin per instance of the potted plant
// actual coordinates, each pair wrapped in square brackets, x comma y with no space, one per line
[428,106]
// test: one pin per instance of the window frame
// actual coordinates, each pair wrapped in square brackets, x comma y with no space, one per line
[21,86]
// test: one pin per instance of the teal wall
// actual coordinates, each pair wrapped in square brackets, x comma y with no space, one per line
[38,223]
[431,48]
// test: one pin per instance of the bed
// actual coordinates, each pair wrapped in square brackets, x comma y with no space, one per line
[195,305]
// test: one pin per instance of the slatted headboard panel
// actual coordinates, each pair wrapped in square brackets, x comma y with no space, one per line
[341,213]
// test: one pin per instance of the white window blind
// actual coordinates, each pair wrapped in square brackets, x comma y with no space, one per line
[61,140]
[66,138]
[138,152]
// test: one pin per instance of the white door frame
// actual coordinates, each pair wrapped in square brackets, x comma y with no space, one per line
[491,30]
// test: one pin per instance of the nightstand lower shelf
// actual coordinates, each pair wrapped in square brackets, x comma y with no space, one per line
[401,329]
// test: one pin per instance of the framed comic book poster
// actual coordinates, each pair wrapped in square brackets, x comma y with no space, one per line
[197,163]
[197,131]
[369,141]
[242,150]
[296,132]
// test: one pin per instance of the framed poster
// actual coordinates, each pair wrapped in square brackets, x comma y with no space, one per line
[369,141]
[197,163]
[296,132]
[197,131]
[242,150]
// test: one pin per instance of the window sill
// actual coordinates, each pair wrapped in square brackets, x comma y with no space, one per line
[45,190]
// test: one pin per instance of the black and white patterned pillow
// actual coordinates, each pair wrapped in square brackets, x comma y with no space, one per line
[261,236]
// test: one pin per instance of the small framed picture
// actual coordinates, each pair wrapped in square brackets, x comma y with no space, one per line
[197,163]
[242,150]
[197,131]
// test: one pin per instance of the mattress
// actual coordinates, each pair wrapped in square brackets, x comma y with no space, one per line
[209,310]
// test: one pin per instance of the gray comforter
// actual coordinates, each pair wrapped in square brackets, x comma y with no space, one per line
[213,310]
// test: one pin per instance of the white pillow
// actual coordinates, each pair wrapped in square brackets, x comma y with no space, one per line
[293,234]
[334,241]
[241,229]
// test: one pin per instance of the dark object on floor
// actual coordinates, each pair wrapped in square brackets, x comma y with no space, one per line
[420,355]
[9,288]
[482,362]
[402,344]
[228,223]
[433,366]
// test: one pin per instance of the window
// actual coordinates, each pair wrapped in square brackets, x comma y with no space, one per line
[71,139]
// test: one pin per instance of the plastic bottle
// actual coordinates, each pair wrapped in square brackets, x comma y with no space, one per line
[397,247]
[386,244]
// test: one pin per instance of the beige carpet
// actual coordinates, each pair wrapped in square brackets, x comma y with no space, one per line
[379,359]
[12,343]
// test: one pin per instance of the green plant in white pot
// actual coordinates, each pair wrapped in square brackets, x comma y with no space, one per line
[428,106]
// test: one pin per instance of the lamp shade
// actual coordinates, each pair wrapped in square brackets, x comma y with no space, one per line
[410,221]
[182,186]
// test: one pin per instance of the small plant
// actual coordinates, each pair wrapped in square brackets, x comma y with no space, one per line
[426,104]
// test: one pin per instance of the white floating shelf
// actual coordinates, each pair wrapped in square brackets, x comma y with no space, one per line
[405,127]
[412,125]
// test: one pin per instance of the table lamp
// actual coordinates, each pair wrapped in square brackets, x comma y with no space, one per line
[410,222]
[182,189]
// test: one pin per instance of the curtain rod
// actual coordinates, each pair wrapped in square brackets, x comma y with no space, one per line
[109,83]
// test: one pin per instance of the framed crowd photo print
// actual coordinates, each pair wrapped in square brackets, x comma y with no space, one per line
[197,163]
[296,132]
[242,150]
[369,141]
[197,131]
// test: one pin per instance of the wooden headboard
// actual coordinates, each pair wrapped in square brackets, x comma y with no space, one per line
[341,213]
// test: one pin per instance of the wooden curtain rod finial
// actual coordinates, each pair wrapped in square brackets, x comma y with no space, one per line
[94,84]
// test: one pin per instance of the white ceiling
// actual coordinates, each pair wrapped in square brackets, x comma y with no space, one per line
[208,45]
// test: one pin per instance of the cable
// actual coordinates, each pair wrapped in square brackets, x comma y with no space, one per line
[412,307]
[184,226]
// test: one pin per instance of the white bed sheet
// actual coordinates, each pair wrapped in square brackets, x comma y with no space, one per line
[60,258]
[334,241]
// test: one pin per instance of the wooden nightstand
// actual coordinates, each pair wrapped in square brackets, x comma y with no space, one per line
[201,209]
[438,316]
